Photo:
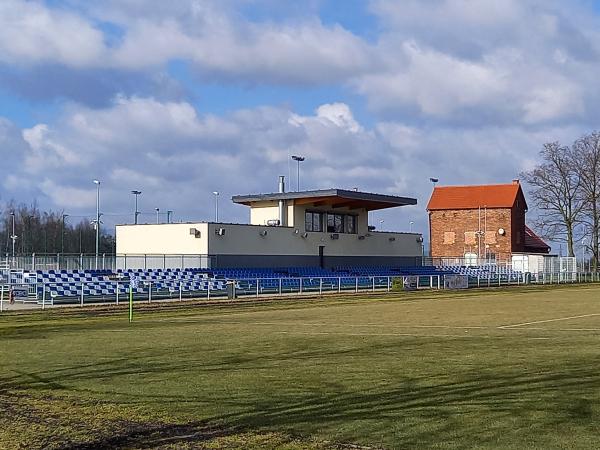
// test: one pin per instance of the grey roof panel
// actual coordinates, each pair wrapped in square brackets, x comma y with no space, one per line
[393,200]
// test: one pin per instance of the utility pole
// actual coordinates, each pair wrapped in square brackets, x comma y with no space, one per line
[97,183]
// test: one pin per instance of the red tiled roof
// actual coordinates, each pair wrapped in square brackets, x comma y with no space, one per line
[533,243]
[472,197]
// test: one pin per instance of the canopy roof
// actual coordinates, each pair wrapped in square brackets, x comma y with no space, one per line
[335,198]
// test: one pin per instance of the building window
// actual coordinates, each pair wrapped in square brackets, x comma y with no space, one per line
[335,223]
[351,224]
[313,221]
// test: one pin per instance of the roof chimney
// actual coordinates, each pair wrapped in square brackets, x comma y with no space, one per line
[281,203]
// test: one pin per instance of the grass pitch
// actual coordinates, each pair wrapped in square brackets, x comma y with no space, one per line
[511,369]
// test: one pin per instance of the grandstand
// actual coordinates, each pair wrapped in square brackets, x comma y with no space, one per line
[48,287]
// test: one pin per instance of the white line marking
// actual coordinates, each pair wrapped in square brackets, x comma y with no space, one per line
[326,333]
[548,320]
[314,333]
[343,325]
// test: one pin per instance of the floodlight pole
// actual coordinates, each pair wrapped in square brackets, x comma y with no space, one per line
[62,234]
[14,236]
[298,159]
[97,183]
[136,213]
[157,215]
[410,226]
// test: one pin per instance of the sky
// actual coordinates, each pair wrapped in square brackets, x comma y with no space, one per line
[183,98]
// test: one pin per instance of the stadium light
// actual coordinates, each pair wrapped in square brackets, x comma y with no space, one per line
[157,215]
[14,236]
[136,213]
[298,159]
[434,180]
[97,183]
[216,194]
[62,234]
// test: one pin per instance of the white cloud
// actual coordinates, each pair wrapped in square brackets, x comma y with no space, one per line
[32,33]
[177,157]
[484,62]
[218,42]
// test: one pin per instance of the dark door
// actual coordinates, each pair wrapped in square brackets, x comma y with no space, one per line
[321,256]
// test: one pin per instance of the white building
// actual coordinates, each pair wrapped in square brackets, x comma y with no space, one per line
[326,228]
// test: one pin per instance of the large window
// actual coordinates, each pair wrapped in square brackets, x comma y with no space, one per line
[313,221]
[330,222]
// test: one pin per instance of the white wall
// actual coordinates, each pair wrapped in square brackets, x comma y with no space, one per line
[170,239]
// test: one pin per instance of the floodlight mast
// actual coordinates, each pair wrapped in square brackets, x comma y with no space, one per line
[14,236]
[136,213]
[298,159]
[97,183]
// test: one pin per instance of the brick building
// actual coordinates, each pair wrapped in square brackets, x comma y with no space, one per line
[485,221]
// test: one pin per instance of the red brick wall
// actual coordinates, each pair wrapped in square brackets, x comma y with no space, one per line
[464,224]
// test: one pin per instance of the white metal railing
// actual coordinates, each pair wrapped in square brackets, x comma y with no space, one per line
[116,291]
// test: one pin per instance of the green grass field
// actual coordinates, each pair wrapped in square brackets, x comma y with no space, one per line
[509,369]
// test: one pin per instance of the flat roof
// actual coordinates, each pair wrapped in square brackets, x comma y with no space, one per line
[337,198]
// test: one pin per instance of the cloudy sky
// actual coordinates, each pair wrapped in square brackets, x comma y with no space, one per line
[182,98]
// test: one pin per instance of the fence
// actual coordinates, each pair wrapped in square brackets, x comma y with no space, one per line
[45,294]
[105,261]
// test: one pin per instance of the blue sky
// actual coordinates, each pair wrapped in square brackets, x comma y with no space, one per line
[182,98]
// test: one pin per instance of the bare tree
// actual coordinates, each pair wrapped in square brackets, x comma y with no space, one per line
[586,155]
[556,193]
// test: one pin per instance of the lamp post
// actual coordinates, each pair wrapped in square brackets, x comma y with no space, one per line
[97,183]
[136,213]
[62,234]
[410,225]
[14,236]
[169,213]
[298,159]
[157,215]
[216,194]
